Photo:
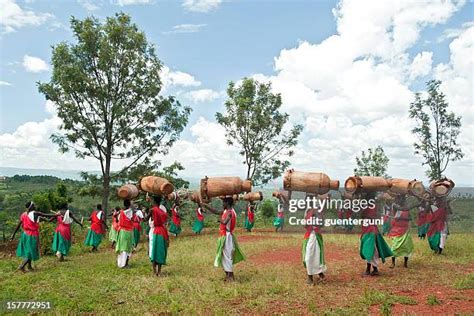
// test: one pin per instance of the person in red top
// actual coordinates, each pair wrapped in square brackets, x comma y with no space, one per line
[124,244]
[115,226]
[62,235]
[159,239]
[402,243]
[138,217]
[250,218]
[175,225]
[97,230]
[28,246]
[422,220]
[228,250]
[313,246]
[438,230]
[372,244]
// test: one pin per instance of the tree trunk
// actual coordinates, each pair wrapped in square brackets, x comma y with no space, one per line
[106,187]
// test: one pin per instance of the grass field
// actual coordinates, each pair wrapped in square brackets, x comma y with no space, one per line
[271,280]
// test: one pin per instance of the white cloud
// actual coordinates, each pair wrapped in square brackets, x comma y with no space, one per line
[187,28]
[5,83]
[421,65]
[89,5]
[34,64]
[201,5]
[202,95]
[13,17]
[132,2]
[206,153]
[177,78]
[352,90]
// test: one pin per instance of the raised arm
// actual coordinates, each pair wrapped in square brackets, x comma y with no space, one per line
[211,209]
[74,219]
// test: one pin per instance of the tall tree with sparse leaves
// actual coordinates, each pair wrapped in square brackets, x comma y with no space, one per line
[374,162]
[254,123]
[106,87]
[436,130]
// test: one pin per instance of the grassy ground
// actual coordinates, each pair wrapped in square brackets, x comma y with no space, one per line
[271,280]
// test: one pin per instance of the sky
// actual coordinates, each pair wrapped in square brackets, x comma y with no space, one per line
[346,70]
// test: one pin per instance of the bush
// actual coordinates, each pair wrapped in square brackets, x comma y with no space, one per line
[267,209]
[46,237]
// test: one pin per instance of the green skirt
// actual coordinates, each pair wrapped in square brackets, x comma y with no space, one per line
[28,247]
[93,239]
[278,222]
[113,235]
[434,241]
[124,241]
[238,255]
[174,229]
[423,230]
[369,241]
[248,225]
[136,237]
[159,249]
[198,226]
[386,227]
[402,246]
[60,244]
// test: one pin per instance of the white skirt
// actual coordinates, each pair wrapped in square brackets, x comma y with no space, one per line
[312,257]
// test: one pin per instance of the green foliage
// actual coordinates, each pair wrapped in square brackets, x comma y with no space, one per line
[106,87]
[52,199]
[46,237]
[267,209]
[253,122]
[465,283]
[432,300]
[372,163]
[436,129]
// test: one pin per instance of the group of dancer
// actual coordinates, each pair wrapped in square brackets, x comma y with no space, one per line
[129,222]
[373,248]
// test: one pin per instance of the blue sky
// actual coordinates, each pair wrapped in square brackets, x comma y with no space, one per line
[218,41]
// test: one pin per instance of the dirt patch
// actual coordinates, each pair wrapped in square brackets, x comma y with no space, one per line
[251,238]
[293,255]
[8,248]
[444,301]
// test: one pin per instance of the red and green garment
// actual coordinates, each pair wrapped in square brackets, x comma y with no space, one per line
[371,239]
[199,222]
[62,235]
[97,231]
[159,245]
[402,243]
[250,219]
[228,250]
[113,232]
[28,246]
[437,220]
[422,223]
[313,248]
[175,226]
[137,227]
[280,218]
[387,225]
[125,234]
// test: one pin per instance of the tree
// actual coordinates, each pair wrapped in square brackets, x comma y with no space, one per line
[372,163]
[437,130]
[254,123]
[267,209]
[106,87]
